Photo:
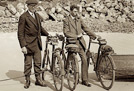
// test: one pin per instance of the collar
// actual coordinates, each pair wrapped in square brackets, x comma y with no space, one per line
[30,13]
[72,17]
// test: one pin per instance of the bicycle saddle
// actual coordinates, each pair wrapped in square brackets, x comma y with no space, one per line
[71,46]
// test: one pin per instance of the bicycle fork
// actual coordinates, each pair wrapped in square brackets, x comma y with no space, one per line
[98,58]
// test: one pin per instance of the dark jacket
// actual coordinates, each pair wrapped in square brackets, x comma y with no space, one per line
[72,29]
[30,31]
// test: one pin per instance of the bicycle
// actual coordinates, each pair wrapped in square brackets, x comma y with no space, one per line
[104,65]
[70,61]
[55,64]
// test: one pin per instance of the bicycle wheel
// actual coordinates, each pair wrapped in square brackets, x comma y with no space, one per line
[106,71]
[58,72]
[72,73]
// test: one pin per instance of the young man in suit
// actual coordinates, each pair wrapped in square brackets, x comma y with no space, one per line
[29,36]
[73,26]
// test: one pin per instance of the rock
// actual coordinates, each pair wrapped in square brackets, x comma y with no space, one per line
[20,6]
[126,10]
[102,16]
[89,9]
[131,16]
[3,3]
[53,10]
[12,9]
[2,13]
[40,8]
[17,15]
[110,19]
[43,14]
[2,8]
[104,10]
[58,9]
[121,19]
[21,11]
[60,17]
[94,15]
[108,5]
[7,13]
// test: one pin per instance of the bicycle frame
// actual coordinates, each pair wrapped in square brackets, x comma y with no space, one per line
[62,52]
[49,42]
[104,66]
[56,66]
[99,50]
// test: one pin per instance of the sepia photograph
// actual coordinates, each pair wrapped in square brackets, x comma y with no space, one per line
[66,45]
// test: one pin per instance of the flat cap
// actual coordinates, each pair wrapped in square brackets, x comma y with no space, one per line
[31,2]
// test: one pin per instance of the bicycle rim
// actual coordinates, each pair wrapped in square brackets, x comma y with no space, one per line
[106,72]
[58,73]
[72,73]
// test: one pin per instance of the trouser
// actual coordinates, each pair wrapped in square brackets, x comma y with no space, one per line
[36,57]
[84,68]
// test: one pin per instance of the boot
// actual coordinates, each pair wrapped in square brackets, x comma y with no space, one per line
[40,82]
[27,84]
[86,83]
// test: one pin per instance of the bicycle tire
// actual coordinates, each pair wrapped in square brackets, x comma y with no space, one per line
[72,70]
[106,71]
[58,73]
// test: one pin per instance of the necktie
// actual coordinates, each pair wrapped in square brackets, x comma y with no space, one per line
[75,20]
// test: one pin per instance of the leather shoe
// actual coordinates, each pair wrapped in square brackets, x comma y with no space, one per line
[27,84]
[86,83]
[40,83]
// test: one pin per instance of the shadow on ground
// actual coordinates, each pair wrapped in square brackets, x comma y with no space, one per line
[93,79]
[125,79]
[19,76]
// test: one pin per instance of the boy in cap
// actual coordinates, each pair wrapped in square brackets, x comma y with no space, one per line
[29,36]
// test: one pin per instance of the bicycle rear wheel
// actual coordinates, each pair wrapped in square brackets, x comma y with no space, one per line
[106,71]
[58,73]
[72,73]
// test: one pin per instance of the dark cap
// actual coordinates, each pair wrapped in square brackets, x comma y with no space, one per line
[31,2]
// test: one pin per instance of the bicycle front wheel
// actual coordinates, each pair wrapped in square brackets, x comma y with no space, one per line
[58,73]
[106,71]
[72,72]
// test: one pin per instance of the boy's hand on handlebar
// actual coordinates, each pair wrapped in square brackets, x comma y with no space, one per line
[98,37]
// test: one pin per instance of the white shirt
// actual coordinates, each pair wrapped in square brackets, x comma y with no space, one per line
[32,14]
[72,17]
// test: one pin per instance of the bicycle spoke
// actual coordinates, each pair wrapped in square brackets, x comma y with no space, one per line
[57,73]
[106,72]
[72,74]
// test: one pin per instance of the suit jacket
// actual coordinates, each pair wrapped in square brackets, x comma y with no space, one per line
[30,31]
[72,29]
